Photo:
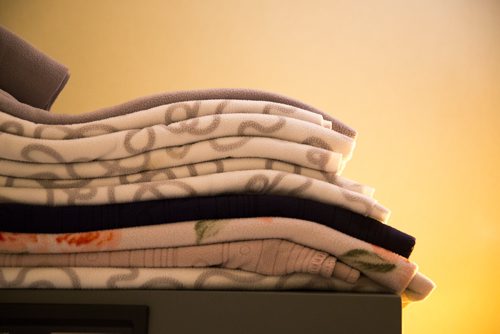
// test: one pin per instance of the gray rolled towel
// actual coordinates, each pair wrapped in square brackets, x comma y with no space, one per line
[27,74]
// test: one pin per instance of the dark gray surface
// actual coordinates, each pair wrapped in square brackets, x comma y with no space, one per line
[32,318]
[240,311]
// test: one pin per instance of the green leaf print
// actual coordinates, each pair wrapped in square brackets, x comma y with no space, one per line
[377,267]
[368,261]
[357,252]
[207,228]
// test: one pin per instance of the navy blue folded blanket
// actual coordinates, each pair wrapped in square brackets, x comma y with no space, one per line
[70,219]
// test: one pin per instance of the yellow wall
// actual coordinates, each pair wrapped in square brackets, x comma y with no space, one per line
[420,80]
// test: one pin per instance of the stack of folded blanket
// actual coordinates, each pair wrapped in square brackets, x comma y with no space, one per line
[210,189]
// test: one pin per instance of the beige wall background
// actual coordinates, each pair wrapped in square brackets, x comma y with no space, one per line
[419,80]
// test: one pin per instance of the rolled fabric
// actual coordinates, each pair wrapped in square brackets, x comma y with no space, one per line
[30,76]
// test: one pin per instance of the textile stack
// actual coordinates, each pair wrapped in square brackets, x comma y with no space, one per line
[207,189]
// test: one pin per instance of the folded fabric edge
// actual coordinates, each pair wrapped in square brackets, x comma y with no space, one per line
[36,115]
[420,287]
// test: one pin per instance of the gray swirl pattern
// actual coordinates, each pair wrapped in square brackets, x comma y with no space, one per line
[128,143]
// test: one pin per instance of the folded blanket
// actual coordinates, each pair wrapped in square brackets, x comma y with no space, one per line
[127,143]
[173,278]
[27,74]
[382,266]
[35,115]
[255,181]
[179,279]
[71,219]
[215,149]
[164,114]
[268,257]
[50,180]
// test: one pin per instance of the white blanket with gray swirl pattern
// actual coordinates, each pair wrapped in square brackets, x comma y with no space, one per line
[184,141]
[80,175]
[250,181]
[164,114]
[26,141]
